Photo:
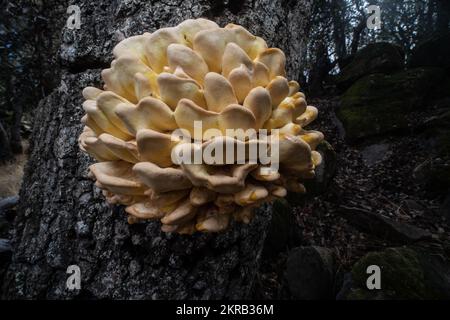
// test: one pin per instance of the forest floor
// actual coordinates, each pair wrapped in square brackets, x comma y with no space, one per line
[375,178]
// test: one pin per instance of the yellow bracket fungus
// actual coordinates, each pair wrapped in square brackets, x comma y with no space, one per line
[225,78]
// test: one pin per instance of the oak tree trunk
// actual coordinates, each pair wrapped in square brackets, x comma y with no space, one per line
[63,219]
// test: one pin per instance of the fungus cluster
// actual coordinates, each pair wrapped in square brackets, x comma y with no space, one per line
[226,78]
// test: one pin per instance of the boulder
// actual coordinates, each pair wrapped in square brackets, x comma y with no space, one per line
[380,57]
[434,172]
[433,52]
[379,103]
[310,273]
[408,272]
[383,227]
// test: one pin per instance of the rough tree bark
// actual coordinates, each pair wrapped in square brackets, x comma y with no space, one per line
[63,219]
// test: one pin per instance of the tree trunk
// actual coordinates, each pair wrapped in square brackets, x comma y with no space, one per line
[5,150]
[338,19]
[357,35]
[63,219]
[16,139]
[321,68]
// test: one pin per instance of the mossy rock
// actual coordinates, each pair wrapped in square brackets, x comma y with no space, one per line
[381,57]
[414,272]
[432,52]
[378,103]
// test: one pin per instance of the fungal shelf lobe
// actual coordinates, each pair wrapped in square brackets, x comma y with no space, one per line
[161,83]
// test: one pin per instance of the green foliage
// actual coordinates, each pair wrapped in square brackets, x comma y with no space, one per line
[381,57]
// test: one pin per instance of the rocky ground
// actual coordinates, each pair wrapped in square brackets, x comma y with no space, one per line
[373,202]
[388,201]
[376,177]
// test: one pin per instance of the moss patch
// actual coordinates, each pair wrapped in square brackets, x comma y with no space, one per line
[406,273]
[381,57]
[402,276]
[378,103]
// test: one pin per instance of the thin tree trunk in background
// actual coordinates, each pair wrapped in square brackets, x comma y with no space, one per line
[63,219]
[338,16]
[320,70]
[357,35]
[430,10]
[16,139]
[423,27]
[5,149]
[359,28]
